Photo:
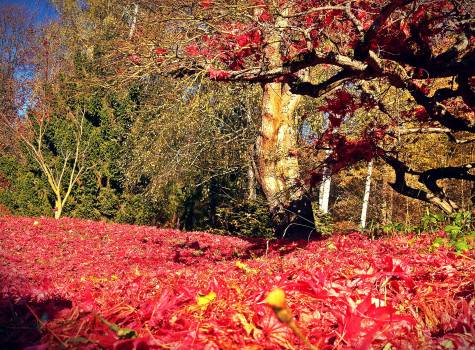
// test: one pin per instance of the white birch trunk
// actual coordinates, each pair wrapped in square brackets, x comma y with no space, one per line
[134,21]
[325,186]
[367,189]
[251,183]
[320,192]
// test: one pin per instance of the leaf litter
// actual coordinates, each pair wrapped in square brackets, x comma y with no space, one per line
[81,284]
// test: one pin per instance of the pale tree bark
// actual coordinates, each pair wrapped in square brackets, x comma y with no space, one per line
[276,162]
[61,183]
[325,187]
[134,21]
[278,167]
[400,70]
[251,183]
[367,189]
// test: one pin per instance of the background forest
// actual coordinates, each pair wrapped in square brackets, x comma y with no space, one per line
[81,139]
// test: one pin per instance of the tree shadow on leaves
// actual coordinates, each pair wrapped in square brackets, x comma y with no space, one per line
[193,252]
[281,247]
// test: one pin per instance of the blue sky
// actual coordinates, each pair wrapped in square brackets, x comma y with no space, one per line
[43,10]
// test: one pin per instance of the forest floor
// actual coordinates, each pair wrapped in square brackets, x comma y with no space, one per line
[84,285]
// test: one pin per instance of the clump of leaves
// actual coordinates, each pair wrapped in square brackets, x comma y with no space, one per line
[460,232]
[389,229]
[323,222]
[248,218]
[431,222]
[121,332]
[458,229]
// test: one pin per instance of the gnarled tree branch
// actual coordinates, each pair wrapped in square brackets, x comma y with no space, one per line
[435,195]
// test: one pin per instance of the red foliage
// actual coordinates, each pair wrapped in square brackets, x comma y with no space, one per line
[411,34]
[160,51]
[218,74]
[419,113]
[206,3]
[341,104]
[135,59]
[192,50]
[93,285]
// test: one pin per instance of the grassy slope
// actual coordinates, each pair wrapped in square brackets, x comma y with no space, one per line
[92,285]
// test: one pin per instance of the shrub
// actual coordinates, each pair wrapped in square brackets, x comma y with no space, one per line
[246,218]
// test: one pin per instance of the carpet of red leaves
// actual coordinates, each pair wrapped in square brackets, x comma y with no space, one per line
[87,285]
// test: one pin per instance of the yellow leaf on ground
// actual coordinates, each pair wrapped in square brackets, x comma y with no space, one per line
[249,327]
[203,300]
[245,267]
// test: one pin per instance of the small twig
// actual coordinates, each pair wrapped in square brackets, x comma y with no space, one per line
[44,325]
[465,256]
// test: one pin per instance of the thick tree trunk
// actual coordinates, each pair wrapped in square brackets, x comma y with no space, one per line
[278,167]
[276,162]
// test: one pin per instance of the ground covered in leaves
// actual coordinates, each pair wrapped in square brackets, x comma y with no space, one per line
[82,284]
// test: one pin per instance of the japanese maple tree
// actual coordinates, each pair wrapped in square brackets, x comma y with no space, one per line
[424,49]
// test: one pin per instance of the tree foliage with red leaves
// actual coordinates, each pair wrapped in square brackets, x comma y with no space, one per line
[409,46]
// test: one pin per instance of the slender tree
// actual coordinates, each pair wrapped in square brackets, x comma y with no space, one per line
[367,189]
[64,176]
[52,132]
